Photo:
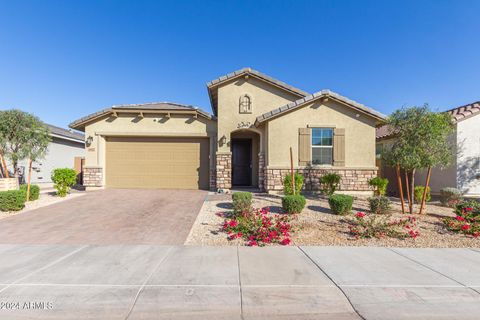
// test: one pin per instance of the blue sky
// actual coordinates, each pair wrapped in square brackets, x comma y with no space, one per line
[62,60]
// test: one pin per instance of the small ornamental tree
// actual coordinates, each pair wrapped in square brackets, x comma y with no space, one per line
[421,142]
[38,139]
[14,135]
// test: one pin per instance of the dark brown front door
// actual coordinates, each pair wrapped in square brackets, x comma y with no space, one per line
[241,162]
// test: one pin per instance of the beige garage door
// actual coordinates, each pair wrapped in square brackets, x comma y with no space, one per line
[157,163]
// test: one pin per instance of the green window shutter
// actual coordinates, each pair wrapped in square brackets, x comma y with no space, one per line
[304,146]
[339,147]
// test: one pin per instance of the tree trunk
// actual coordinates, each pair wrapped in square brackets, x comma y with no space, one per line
[412,190]
[4,166]
[29,178]
[400,188]
[407,186]
[291,171]
[424,196]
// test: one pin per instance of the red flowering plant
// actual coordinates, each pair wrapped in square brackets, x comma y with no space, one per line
[466,221]
[259,227]
[381,226]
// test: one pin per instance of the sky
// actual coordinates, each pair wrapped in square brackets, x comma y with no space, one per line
[62,60]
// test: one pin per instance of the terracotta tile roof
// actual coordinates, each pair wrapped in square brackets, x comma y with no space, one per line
[465,111]
[458,114]
[321,94]
[211,85]
[160,106]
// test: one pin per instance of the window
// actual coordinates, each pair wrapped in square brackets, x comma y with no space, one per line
[245,104]
[378,151]
[322,146]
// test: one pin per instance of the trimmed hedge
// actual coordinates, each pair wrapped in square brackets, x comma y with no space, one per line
[340,203]
[379,205]
[293,203]
[287,184]
[242,202]
[13,200]
[34,191]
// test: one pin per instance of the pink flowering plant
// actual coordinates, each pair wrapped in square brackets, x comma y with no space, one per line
[466,221]
[381,226]
[258,227]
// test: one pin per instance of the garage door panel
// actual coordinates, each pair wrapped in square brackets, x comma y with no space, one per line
[180,163]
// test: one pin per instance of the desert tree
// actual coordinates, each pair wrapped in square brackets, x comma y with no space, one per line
[421,142]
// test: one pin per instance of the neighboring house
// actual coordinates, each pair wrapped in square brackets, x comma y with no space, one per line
[245,143]
[464,173]
[65,146]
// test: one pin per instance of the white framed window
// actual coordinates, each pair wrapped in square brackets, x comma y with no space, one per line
[322,146]
[245,105]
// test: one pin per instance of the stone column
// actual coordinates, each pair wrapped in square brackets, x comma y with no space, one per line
[261,171]
[93,176]
[224,171]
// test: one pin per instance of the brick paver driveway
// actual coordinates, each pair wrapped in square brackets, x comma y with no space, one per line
[112,216]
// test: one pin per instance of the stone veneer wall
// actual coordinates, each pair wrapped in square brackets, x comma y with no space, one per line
[92,177]
[213,180]
[352,179]
[261,171]
[224,171]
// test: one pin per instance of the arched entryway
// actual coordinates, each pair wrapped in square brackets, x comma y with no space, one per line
[245,148]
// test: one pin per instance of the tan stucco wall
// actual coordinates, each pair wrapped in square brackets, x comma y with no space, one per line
[359,133]
[265,98]
[150,125]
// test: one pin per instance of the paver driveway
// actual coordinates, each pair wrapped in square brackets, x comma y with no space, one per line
[112,216]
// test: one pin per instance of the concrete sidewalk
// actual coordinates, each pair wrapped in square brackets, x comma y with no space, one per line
[184,282]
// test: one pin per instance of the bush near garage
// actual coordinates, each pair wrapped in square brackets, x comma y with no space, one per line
[34,191]
[340,204]
[12,200]
[242,202]
[64,179]
[293,203]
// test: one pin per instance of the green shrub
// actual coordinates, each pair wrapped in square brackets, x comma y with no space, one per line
[379,204]
[340,203]
[287,184]
[34,191]
[293,203]
[64,179]
[471,203]
[450,197]
[418,194]
[242,202]
[380,185]
[330,183]
[13,200]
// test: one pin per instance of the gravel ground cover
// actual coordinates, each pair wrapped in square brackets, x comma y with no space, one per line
[316,225]
[44,200]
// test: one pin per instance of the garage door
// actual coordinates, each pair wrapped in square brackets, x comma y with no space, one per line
[179,163]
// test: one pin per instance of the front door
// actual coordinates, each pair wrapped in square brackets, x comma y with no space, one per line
[241,162]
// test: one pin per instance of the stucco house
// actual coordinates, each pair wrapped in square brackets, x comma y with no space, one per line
[64,148]
[245,143]
[464,173]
